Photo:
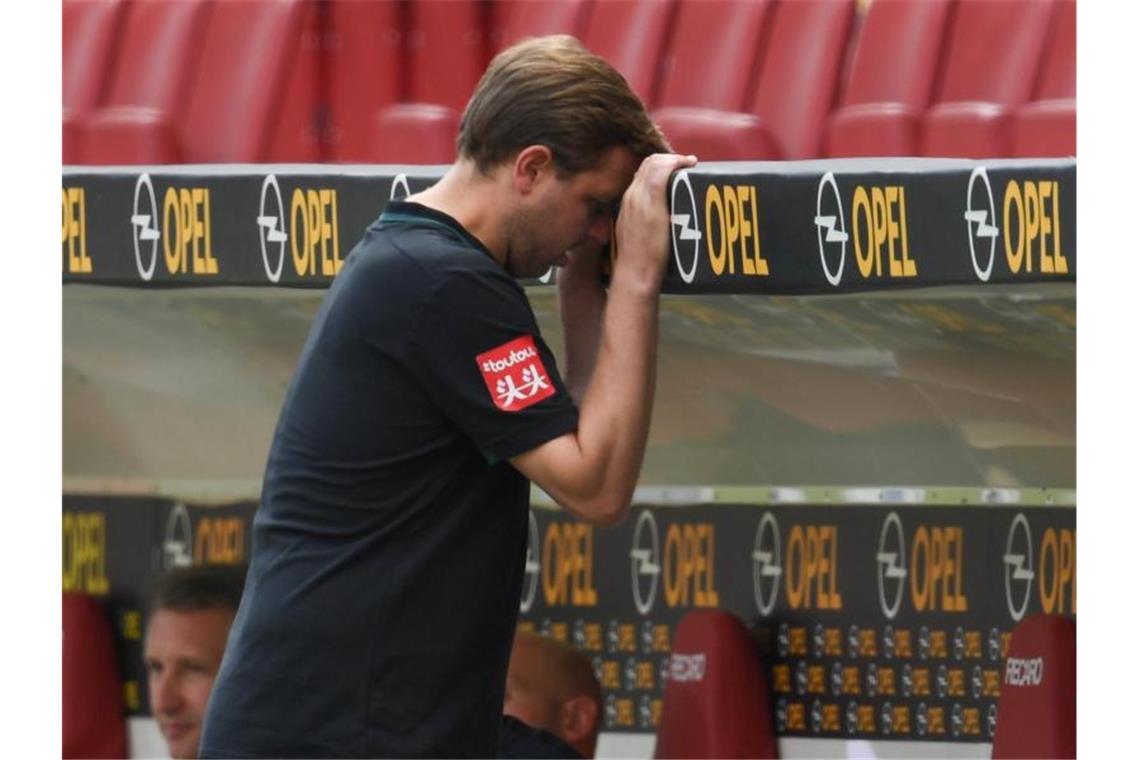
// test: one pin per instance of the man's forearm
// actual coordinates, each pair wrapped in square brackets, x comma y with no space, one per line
[614,421]
[581,301]
[592,471]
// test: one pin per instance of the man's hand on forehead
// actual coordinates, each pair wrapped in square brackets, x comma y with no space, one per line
[642,228]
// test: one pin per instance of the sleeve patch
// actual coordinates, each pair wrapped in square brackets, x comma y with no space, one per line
[515,375]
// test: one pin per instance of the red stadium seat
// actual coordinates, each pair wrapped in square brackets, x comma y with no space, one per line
[1058,78]
[90,29]
[974,129]
[800,73]
[364,64]
[713,51]
[89,32]
[254,95]
[1048,125]
[631,35]
[149,87]
[94,721]
[717,135]
[794,89]
[1037,709]
[991,64]
[415,133]
[716,697]
[514,20]
[891,80]
[130,135]
[707,73]
[448,51]
[1045,128]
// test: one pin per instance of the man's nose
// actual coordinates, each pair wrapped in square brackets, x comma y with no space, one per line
[165,694]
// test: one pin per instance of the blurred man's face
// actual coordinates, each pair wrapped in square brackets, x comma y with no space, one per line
[182,652]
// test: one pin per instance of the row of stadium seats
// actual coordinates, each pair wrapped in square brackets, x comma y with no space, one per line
[717,700]
[198,81]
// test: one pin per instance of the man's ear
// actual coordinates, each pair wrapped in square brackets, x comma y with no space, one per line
[531,164]
[579,717]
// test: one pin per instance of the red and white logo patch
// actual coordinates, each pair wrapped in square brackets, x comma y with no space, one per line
[514,374]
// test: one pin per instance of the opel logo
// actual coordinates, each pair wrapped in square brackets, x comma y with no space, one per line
[177,546]
[1018,561]
[891,563]
[981,221]
[400,188]
[830,229]
[766,564]
[271,227]
[683,221]
[144,227]
[645,566]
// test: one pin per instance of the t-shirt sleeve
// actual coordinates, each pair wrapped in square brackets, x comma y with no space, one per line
[478,354]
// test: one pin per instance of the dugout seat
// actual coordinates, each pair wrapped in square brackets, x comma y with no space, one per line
[800,73]
[515,20]
[1045,128]
[254,94]
[94,721]
[718,135]
[364,56]
[90,30]
[707,73]
[716,698]
[712,52]
[448,50]
[1048,125]
[992,59]
[1037,709]
[631,35]
[795,85]
[415,133]
[1058,77]
[891,80]
[149,85]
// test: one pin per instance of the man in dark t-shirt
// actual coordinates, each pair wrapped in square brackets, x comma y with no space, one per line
[388,548]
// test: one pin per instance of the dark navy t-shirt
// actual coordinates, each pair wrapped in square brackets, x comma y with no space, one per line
[388,548]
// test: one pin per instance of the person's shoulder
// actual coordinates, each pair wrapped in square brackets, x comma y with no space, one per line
[431,232]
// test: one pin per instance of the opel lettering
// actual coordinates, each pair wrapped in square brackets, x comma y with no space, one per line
[878,218]
[186,236]
[568,565]
[85,553]
[313,227]
[937,569]
[1056,578]
[811,568]
[75,231]
[688,565]
[1032,223]
[730,218]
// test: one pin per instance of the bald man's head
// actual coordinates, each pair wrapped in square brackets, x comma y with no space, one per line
[551,685]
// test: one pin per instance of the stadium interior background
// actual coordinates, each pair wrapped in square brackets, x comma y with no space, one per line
[951,406]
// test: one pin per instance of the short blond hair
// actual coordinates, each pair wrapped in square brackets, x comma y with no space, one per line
[552,91]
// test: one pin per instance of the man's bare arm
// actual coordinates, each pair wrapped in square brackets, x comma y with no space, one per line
[582,301]
[592,472]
